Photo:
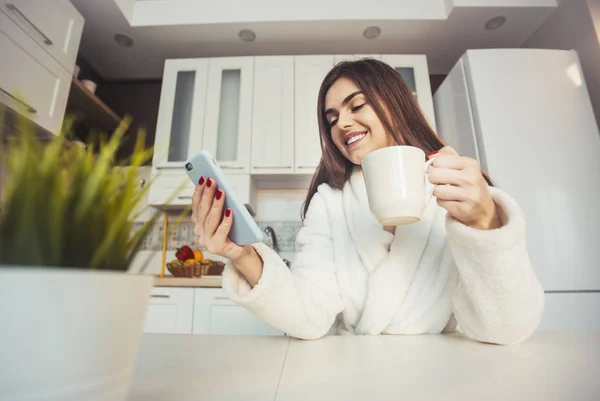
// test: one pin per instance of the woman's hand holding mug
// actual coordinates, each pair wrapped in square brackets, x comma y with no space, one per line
[462,190]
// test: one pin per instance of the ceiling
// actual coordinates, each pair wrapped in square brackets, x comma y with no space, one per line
[442,40]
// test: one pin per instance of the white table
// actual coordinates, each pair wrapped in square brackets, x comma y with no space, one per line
[549,366]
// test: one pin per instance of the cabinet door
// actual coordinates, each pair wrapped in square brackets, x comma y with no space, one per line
[215,313]
[31,81]
[228,125]
[415,72]
[55,25]
[170,310]
[273,115]
[350,57]
[166,181]
[309,72]
[181,112]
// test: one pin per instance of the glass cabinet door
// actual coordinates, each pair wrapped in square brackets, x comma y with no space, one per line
[228,123]
[415,72]
[181,113]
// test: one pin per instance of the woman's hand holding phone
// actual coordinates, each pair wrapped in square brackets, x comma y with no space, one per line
[211,223]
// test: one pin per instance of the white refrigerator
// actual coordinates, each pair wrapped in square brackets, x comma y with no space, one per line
[526,116]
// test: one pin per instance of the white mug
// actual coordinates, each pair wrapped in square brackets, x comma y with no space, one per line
[398,188]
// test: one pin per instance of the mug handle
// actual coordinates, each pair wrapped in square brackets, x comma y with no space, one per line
[429,192]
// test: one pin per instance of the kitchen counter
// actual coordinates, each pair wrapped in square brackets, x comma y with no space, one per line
[549,366]
[205,281]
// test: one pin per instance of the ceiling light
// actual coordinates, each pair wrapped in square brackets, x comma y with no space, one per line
[495,23]
[372,32]
[123,40]
[247,35]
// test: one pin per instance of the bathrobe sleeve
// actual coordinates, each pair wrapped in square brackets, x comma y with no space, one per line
[499,298]
[304,301]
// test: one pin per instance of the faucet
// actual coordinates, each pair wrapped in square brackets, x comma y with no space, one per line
[271,233]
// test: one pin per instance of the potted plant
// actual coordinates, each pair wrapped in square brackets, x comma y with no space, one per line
[70,317]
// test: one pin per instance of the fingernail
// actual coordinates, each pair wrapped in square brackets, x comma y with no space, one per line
[209,182]
[227,212]
[433,153]
[219,194]
[201,181]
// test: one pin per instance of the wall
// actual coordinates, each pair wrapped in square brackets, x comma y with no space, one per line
[571,27]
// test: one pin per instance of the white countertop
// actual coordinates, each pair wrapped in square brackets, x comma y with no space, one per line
[549,366]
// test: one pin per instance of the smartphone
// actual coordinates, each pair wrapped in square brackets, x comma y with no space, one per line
[244,230]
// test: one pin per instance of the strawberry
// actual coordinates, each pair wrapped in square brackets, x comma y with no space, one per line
[184,253]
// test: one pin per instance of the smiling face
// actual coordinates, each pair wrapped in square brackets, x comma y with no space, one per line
[355,127]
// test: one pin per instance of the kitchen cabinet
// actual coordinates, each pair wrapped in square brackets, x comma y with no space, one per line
[256,115]
[337,58]
[309,72]
[32,82]
[273,115]
[182,105]
[228,122]
[170,310]
[167,181]
[415,72]
[215,313]
[54,25]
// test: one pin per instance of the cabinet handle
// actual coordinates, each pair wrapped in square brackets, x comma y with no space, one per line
[222,298]
[271,166]
[185,197]
[142,183]
[232,167]
[160,296]
[28,107]
[166,167]
[306,166]
[15,10]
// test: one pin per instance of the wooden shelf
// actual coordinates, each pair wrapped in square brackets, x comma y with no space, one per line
[94,112]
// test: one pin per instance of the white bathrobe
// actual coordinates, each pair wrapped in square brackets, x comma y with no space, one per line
[351,276]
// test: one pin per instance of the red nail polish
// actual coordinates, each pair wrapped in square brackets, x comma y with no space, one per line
[433,153]
[219,194]
[201,181]
[227,212]
[208,183]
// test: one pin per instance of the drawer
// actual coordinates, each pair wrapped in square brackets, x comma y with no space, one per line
[575,311]
[170,310]
[55,25]
[215,313]
[166,180]
[31,82]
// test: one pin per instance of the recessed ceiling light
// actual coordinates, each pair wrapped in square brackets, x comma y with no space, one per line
[372,32]
[123,40]
[495,23]
[247,35]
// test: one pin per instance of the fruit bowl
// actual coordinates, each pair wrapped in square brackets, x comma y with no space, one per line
[196,269]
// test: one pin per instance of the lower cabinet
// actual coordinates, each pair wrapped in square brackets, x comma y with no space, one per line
[170,310]
[200,311]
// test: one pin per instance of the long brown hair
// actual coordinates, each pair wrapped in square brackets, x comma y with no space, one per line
[394,104]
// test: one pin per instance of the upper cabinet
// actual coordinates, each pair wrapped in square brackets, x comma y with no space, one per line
[273,115]
[228,122]
[255,115]
[180,122]
[309,72]
[38,57]
[54,25]
[414,70]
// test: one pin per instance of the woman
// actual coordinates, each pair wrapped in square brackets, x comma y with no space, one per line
[463,267]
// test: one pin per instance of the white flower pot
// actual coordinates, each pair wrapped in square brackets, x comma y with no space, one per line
[69,334]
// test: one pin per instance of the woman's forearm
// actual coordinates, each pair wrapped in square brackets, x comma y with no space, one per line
[250,265]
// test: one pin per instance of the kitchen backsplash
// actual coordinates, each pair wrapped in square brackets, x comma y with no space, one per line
[182,233]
